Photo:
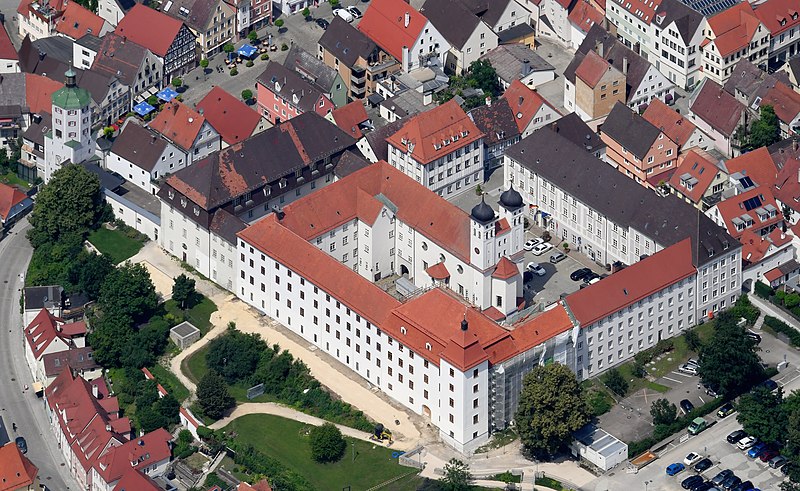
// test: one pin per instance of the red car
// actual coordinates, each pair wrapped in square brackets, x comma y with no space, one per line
[768,455]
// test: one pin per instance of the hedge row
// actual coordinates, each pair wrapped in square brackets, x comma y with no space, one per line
[781,327]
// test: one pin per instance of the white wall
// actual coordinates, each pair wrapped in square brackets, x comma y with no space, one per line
[134,217]
[447,176]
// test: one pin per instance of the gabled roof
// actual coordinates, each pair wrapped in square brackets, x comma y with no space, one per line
[43,330]
[150,28]
[139,453]
[349,117]
[787,185]
[120,57]
[290,86]
[696,169]
[346,43]
[673,124]
[785,101]
[197,14]
[505,269]
[592,68]
[642,9]
[179,123]
[9,198]
[7,49]
[747,81]
[79,359]
[778,15]
[734,28]
[377,138]
[575,129]
[496,121]
[513,61]
[716,107]
[311,68]
[524,102]
[140,146]
[630,130]
[788,267]
[16,471]
[436,132]
[438,271]
[687,20]
[757,165]
[632,284]
[452,19]
[584,15]
[136,480]
[39,92]
[76,21]
[233,119]
[385,23]
[733,209]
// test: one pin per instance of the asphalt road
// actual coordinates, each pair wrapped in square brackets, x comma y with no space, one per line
[16,406]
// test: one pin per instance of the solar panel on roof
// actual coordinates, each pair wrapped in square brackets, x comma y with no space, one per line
[752,203]
[746,182]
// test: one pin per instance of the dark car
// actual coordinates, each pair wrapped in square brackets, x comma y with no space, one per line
[591,276]
[720,478]
[725,410]
[703,486]
[768,454]
[578,274]
[323,23]
[787,467]
[703,465]
[691,481]
[769,384]
[745,486]
[754,336]
[736,436]
[687,406]
[731,482]
[21,444]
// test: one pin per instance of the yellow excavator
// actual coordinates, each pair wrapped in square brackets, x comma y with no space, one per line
[382,434]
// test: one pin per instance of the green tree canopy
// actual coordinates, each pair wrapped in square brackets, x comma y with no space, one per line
[128,291]
[235,355]
[247,94]
[616,382]
[766,130]
[728,362]
[663,412]
[204,63]
[483,76]
[213,395]
[70,204]
[110,338]
[253,35]
[551,407]
[456,476]
[183,291]
[327,443]
[88,271]
[761,414]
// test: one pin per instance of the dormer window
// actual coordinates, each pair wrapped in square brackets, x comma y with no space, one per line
[403,330]
[183,202]
[282,183]
[171,194]
[428,346]
[196,211]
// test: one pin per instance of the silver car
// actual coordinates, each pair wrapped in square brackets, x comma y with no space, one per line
[557,257]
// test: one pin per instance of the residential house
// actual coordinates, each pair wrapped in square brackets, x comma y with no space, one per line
[352,119]
[203,207]
[531,110]
[731,35]
[785,274]
[574,129]
[792,70]
[441,148]
[233,119]
[135,66]
[699,179]
[42,297]
[673,41]
[144,158]
[36,20]
[14,204]
[786,190]
[136,479]
[317,73]
[211,21]
[786,104]
[632,20]
[359,61]
[16,471]
[717,114]
[752,208]
[9,60]
[373,145]
[469,37]
[76,21]
[167,38]
[186,129]
[47,334]
[782,20]
[598,87]
[581,18]
[762,254]
[283,94]
[22,96]
[675,126]
[290,7]
[114,10]
[502,15]
[150,454]
[497,123]
[80,360]
[519,62]
[32,151]
[554,19]
[404,33]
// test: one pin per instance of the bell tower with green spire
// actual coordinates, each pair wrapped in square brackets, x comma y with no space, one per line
[71,138]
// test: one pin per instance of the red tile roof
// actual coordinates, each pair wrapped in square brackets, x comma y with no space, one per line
[778,15]
[676,127]
[643,9]
[9,198]
[149,28]
[74,329]
[149,376]
[773,274]
[179,123]
[262,485]
[757,165]
[38,92]
[16,471]
[43,330]
[754,247]
[632,284]
[717,107]
[584,15]
[145,451]
[536,330]
[384,23]
[233,119]
[7,49]
[734,28]
[524,102]
[784,100]
[787,185]
[78,21]
[136,480]
[348,117]
[438,271]
[733,207]
[427,132]
[698,165]
[592,69]
[505,269]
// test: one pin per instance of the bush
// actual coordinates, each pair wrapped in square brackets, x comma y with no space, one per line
[177,82]
[781,327]
[306,12]
[265,56]
[249,63]
[284,47]
[327,443]
[791,301]
[763,290]
[247,94]
[279,23]
[234,72]
[256,462]
[744,308]
[616,382]
[252,36]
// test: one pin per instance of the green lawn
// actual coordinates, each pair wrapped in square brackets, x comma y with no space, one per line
[285,440]
[194,367]
[199,315]
[170,382]
[11,179]
[115,244]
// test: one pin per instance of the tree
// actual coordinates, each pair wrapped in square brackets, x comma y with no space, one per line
[456,476]
[128,291]
[183,291]
[235,355]
[252,36]
[484,76]
[761,414]
[153,100]
[109,338]
[204,63]
[177,82]
[169,408]
[616,382]
[663,412]
[729,363]
[279,23]
[149,419]
[213,396]
[247,94]
[551,407]
[766,130]
[327,443]
[306,12]
[69,204]
[693,341]
[228,48]
[88,271]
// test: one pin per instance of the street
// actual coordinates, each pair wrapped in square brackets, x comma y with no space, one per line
[23,408]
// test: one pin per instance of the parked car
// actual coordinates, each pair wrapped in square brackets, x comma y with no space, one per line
[769,384]
[754,336]
[710,391]
[536,269]
[686,406]
[354,12]
[531,243]
[731,482]
[746,442]
[323,24]
[768,454]
[591,278]
[692,361]
[21,444]
[697,425]
[541,248]
[704,486]
[675,468]
[778,461]
[344,14]
[703,465]
[745,486]
[692,459]
[578,274]
[725,410]
[686,368]
[736,436]
[691,481]
[756,450]
[721,476]
[557,257]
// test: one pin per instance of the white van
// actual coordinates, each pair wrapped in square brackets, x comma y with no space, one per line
[344,14]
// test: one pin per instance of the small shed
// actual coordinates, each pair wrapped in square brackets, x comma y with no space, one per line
[184,334]
[598,447]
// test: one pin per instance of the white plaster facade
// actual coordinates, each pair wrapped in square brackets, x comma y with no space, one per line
[482,40]
[429,43]
[71,137]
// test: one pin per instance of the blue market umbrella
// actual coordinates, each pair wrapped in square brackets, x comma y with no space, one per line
[143,109]
[247,50]
[167,94]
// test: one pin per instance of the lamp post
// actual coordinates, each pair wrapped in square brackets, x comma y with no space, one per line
[646,483]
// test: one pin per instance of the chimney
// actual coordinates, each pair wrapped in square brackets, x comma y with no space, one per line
[108,427]
[41,55]
[795,144]
[124,38]
[598,47]
[95,391]
[625,65]
[407,19]
[526,67]
[521,99]
[488,100]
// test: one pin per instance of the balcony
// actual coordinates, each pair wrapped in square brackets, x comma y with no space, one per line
[358,75]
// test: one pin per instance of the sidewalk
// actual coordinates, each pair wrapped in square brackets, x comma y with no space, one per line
[769,309]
